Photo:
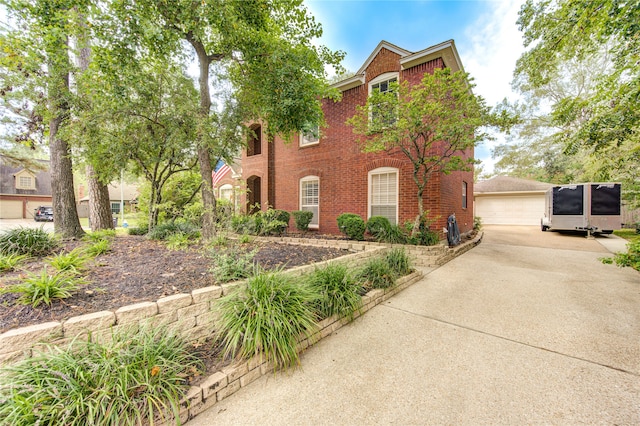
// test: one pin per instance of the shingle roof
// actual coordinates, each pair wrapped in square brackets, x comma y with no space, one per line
[510,184]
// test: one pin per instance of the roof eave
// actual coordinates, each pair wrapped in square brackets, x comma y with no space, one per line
[445,50]
[350,83]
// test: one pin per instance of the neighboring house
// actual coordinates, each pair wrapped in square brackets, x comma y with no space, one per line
[129,192]
[505,200]
[22,191]
[328,174]
[227,184]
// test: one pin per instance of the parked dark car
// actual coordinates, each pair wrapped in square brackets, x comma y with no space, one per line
[43,214]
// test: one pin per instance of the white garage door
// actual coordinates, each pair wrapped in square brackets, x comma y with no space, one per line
[10,209]
[510,210]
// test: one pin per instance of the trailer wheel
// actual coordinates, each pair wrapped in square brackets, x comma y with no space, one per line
[607,232]
[542,227]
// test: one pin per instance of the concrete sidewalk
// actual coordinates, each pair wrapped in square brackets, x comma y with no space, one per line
[504,334]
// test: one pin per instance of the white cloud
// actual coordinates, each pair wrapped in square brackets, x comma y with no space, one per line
[490,49]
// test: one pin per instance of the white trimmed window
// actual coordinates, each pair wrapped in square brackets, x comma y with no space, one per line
[25,180]
[226,192]
[115,208]
[310,198]
[464,195]
[310,137]
[383,193]
[383,84]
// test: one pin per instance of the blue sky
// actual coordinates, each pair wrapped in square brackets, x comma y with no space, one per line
[485,34]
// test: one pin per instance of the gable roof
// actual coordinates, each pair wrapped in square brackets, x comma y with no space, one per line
[445,50]
[502,184]
[9,170]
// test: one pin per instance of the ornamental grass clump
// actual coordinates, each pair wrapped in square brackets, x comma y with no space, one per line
[133,380]
[74,261]
[9,262]
[377,273]
[265,317]
[37,289]
[398,261]
[34,242]
[339,292]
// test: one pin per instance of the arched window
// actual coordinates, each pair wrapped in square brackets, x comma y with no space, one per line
[310,198]
[383,193]
[226,192]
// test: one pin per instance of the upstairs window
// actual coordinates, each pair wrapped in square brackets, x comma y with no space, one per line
[383,114]
[464,195]
[254,144]
[310,137]
[25,180]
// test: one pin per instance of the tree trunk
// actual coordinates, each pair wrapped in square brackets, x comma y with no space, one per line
[99,202]
[65,212]
[204,157]
[100,216]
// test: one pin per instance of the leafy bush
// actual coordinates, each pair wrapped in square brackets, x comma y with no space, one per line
[37,289]
[98,248]
[245,239]
[477,223]
[338,291]
[274,222]
[424,238]
[302,219]
[266,316]
[164,230]
[352,225]
[276,215]
[29,241]
[232,264]
[74,261]
[631,258]
[399,262]
[132,380]
[178,241]
[377,226]
[239,223]
[377,273]
[103,234]
[9,262]
[394,234]
[138,230]
[220,240]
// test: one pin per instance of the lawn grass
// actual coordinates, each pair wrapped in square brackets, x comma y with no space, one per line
[627,234]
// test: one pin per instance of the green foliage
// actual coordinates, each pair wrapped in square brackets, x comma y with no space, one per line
[398,261]
[394,234]
[302,219]
[477,223]
[74,261]
[378,226]
[138,230]
[352,225]
[28,241]
[178,241]
[98,248]
[37,289]
[337,290]
[132,380]
[164,230]
[265,317]
[632,257]
[10,261]
[232,264]
[220,240]
[377,273]
[274,222]
[245,239]
[103,234]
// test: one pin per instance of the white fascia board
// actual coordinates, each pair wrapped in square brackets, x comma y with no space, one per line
[350,83]
[383,44]
[445,50]
[510,193]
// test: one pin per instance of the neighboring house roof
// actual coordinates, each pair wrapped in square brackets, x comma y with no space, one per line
[131,192]
[8,172]
[505,184]
[445,50]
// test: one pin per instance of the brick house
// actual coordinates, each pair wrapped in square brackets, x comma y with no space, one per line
[23,190]
[329,174]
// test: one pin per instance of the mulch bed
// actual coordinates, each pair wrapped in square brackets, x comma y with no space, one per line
[138,269]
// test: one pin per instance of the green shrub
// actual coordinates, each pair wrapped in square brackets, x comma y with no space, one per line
[302,219]
[266,316]
[394,234]
[233,264]
[28,241]
[477,223]
[239,223]
[398,261]
[164,230]
[178,241]
[9,262]
[98,248]
[377,226]
[134,379]
[276,215]
[74,261]
[377,273]
[103,234]
[37,289]
[338,291]
[245,239]
[352,225]
[220,240]
[631,258]
[274,227]
[138,230]
[273,222]
[424,238]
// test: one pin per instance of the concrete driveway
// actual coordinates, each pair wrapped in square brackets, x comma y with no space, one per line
[6,224]
[527,328]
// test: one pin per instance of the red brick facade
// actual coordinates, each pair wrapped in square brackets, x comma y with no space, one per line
[343,170]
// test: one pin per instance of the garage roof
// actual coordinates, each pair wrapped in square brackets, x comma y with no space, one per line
[503,184]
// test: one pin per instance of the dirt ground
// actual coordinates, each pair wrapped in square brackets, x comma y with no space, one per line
[138,269]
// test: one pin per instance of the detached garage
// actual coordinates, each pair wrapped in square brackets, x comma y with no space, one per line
[505,200]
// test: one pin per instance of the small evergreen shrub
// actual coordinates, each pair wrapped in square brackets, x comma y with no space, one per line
[302,219]
[232,264]
[378,226]
[273,222]
[134,379]
[338,291]
[352,225]
[377,273]
[239,222]
[266,316]
[34,242]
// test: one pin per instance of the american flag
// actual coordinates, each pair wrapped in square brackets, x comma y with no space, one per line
[220,171]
